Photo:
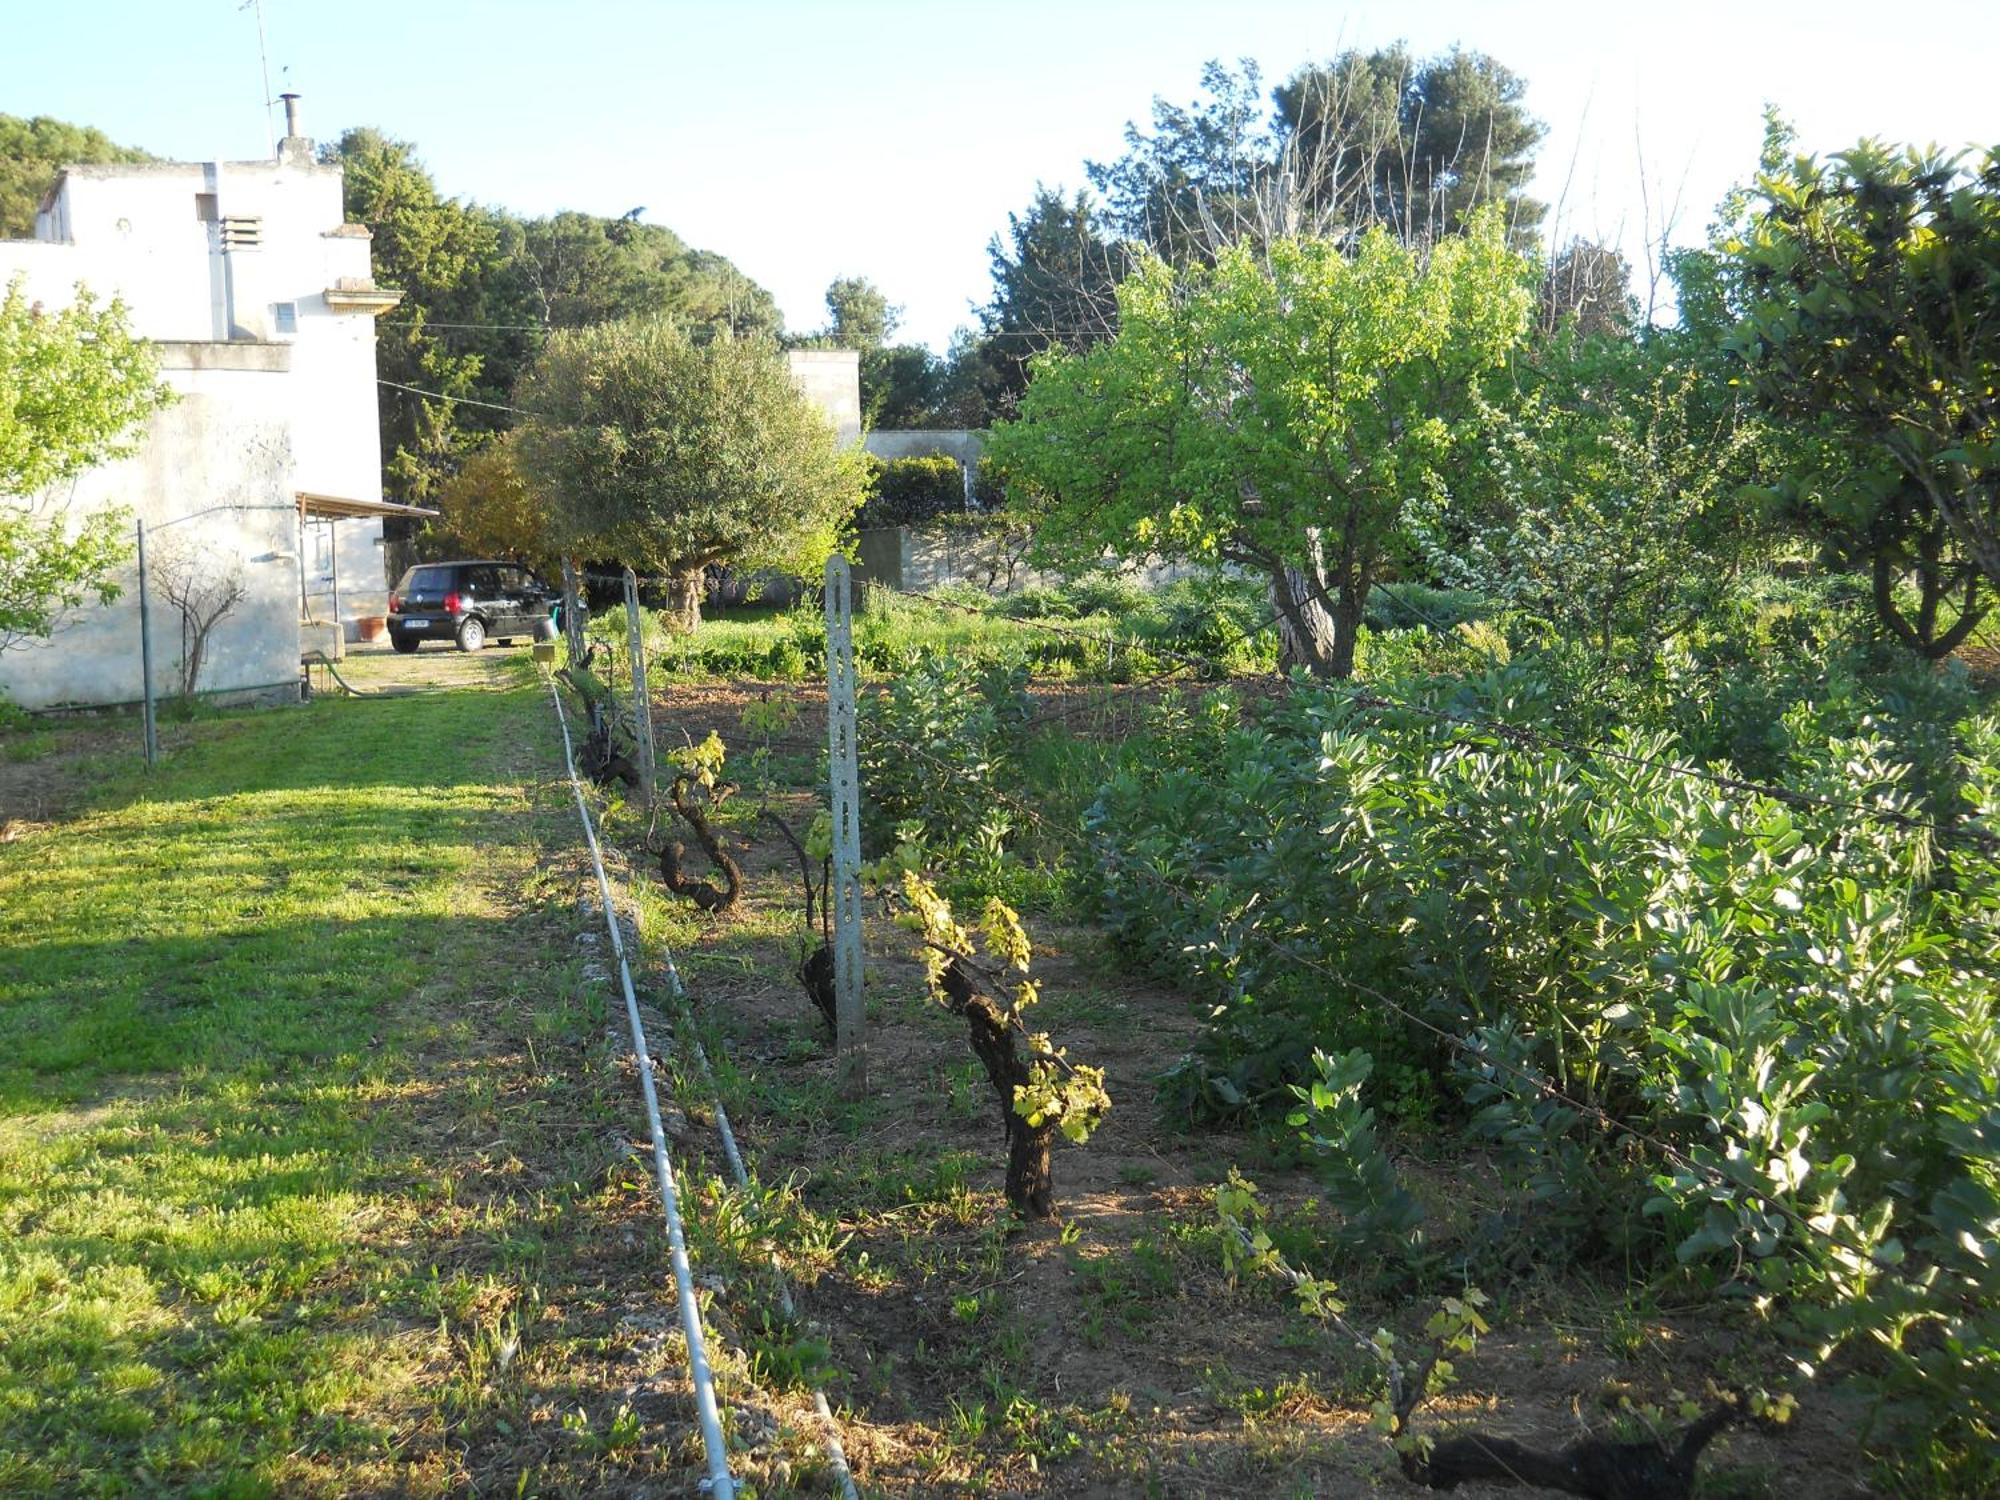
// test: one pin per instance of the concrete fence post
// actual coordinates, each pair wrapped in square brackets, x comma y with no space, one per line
[850,1020]
[147,728]
[642,698]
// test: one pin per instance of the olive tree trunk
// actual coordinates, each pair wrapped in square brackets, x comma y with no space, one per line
[684,593]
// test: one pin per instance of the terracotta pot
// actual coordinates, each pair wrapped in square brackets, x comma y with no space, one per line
[371,628]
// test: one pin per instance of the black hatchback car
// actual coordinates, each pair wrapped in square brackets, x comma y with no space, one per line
[469,603]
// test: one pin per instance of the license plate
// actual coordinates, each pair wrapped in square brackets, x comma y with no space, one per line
[415,624]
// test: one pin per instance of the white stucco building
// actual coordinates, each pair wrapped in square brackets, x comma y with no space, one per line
[261,306]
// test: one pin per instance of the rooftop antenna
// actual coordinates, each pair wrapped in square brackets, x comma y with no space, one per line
[264,57]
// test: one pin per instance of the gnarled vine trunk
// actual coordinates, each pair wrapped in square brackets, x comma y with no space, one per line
[705,894]
[1030,1176]
[1594,1468]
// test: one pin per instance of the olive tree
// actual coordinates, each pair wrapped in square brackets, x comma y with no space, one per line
[668,455]
[1274,410]
[75,386]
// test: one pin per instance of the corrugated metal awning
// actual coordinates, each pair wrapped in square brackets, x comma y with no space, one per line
[339,507]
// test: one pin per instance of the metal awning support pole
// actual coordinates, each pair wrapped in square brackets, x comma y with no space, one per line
[333,552]
[305,608]
[152,739]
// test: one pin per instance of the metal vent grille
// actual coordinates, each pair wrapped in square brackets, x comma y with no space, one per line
[242,232]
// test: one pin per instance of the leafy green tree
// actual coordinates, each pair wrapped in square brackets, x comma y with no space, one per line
[861,315]
[1616,517]
[481,287]
[1275,411]
[1869,287]
[901,385]
[573,269]
[1385,138]
[488,509]
[32,152]
[75,386]
[437,251]
[669,455]
[1055,279]
[1368,138]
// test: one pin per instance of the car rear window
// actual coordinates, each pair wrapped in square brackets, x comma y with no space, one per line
[425,581]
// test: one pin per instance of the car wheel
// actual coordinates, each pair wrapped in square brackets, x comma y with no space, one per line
[506,640]
[406,643]
[471,635]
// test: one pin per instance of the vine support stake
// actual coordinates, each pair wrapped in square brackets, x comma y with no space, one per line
[147,729]
[642,698]
[851,1041]
[572,613]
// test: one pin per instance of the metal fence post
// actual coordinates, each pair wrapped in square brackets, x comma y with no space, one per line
[147,727]
[572,614]
[642,699]
[850,1022]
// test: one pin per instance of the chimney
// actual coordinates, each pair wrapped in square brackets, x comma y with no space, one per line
[295,148]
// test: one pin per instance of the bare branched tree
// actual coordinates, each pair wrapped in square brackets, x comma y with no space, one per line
[205,589]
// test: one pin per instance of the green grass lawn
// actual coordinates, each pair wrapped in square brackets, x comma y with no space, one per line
[304,1116]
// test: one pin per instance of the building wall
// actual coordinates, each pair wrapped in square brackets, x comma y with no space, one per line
[831,379]
[920,442]
[211,479]
[271,405]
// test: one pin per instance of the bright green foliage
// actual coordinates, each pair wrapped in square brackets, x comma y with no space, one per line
[1339,1131]
[668,455]
[1274,410]
[932,751]
[1870,294]
[32,152]
[702,763]
[75,386]
[1615,517]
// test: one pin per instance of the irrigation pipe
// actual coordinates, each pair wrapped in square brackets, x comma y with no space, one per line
[836,1455]
[719,1483]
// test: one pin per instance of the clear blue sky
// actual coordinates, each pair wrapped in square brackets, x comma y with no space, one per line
[810,140]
